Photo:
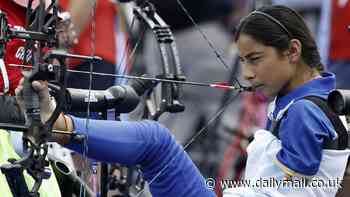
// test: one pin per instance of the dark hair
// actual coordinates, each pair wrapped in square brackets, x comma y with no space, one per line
[275,26]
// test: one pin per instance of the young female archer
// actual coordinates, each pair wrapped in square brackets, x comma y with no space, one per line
[303,140]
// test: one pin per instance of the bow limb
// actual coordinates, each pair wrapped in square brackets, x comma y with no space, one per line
[170,92]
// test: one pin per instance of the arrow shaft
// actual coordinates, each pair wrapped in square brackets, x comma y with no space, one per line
[211,85]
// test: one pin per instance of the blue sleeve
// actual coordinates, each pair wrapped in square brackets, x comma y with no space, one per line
[302,133]
[149,144]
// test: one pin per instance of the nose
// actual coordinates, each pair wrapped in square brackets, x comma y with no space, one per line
[248,73]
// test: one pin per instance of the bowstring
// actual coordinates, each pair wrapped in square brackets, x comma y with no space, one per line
[205,37]
[221,60]
[85,141]
[126,56]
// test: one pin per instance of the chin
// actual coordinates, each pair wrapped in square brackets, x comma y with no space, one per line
[269,95]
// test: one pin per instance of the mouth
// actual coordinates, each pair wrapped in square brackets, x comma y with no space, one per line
[257,87]
[253,88]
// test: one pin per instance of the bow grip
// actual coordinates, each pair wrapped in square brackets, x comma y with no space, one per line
[31,100]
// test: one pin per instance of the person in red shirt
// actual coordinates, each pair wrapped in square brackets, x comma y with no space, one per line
[14,50]
[13,54]
[15,11]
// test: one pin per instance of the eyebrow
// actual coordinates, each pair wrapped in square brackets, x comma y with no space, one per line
[252,54]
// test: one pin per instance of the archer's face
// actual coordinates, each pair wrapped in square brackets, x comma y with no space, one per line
[263,66]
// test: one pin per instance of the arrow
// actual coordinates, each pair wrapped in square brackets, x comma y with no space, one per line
[217,85]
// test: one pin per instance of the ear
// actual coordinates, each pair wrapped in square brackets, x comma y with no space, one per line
[294,51]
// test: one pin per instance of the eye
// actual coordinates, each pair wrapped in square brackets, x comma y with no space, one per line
[254,60]
[241,59]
